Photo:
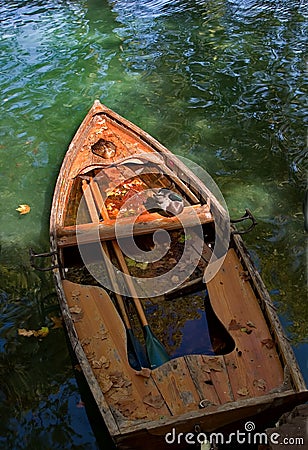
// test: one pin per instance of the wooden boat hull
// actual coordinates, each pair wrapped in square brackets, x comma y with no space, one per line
[198,391]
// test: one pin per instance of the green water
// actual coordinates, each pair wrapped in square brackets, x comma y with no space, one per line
[220,82]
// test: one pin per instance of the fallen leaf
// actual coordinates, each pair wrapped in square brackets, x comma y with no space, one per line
[260,384]
[42,332]
[75,309]
[243,391]
[246,330]
[144,372]
[250,324]
[23,209]
[234,325]
[24,332]
[57,322]
[269,343]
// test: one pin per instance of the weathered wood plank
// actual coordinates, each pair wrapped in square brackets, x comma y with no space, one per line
[211,378]
[254,367]
[174,382]
[102,335]
[144,224]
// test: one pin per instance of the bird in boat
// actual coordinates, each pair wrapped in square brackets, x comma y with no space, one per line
[165,202]
[103,148]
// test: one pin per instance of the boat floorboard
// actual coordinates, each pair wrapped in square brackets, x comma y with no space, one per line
[251,370]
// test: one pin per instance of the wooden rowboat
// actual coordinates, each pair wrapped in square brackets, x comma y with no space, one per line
[166,344]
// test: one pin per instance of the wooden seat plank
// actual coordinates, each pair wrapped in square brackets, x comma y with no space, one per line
[211,378]
[254,367]
[102,335]
[174,382]
[144,224]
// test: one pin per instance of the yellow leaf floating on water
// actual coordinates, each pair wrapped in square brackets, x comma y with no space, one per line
[43,332]
[23,209]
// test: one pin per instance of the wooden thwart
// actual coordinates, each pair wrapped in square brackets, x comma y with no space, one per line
[143,224]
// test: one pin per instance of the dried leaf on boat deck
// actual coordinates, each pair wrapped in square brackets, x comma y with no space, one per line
[234,325]
[105,382]
[214,364]
[269,343]
[75,309]
[119,381]
[144,372]
[156,401]
[260,384]
[246,330]
[243,391]
[103,362]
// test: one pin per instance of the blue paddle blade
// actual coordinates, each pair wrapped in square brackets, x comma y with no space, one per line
[157,353]
[135,351]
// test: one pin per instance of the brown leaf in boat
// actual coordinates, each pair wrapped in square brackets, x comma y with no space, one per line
[214,364]
[144,372]
[156,401]
[269,343]
[42,332]
[243,391]
[57,322]
[260,384]
[250,324]
[234,325]
[103,362]
[105,383]
[23,209]
[24,332]
[246,330]
[75,309]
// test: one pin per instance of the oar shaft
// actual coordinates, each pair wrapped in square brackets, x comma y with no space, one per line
[101,206]
[130,283]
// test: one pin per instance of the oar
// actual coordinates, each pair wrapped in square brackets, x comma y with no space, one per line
[135,352]
[156,352]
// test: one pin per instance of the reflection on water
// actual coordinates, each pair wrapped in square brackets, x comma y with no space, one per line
[219,82]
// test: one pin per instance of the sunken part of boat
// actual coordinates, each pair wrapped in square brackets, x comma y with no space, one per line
[171,335]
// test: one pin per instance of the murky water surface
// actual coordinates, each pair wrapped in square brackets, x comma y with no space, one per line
[220,82]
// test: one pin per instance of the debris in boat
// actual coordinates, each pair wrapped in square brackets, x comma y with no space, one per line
[104,149]
[102,363]
[156,401]
[75,309]
[260,384]
[57,322]
[144,372]
[105,382]
[243,391]
[212,364]
[246,330]
[250,324]
[41,333]
[23,209]
[234,325]
[119,380]
[269,343]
